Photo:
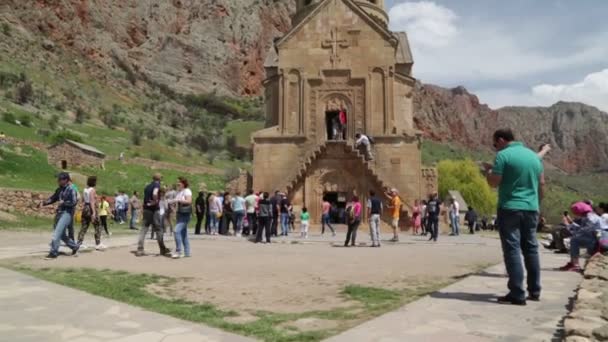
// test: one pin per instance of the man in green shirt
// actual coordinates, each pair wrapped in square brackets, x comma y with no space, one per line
[518,174]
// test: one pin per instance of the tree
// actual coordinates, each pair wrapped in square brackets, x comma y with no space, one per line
[465,176]
[81,116]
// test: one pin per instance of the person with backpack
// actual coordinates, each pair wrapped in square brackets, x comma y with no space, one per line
[89,215]
[433,209]
[353,216]
[364,144]
[151,218]
[374,212]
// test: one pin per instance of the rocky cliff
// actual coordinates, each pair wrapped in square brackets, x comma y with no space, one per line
[577,132]
[191,45]
[200,46]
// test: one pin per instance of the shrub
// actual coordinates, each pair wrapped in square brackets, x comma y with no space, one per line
[6,29]
[54,122]
[43,132]
[136,136]
[9,117]
[155,156]
[59,106]
[81,116]
[26,120]
[231,174]
[24,92]
[199,142]
[465,176]
[64,135]
[7,79]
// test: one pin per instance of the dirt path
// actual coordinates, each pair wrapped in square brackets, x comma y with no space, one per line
[285,277]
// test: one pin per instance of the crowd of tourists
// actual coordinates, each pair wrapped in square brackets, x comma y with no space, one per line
[517,172]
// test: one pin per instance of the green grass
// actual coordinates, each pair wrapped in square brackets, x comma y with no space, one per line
[242,130]
[26,170]
[26,223]
[131,289]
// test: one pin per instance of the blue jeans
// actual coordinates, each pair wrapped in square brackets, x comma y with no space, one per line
[64,220]
[239,216]
[181,234]
[285,223]
[517,230]
[214,222]
[133,218]
[455,220]
[325,221]
[587,239]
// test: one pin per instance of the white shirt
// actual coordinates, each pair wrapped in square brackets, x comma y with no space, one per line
[181,196]
[363,140]
[604,221]
[455,208]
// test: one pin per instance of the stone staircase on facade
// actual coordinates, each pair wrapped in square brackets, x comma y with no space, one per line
[349,148]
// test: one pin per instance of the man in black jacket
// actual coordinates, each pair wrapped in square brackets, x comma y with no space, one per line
[471,218]
[200,211]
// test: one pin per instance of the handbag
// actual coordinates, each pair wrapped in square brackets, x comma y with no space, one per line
[184,208]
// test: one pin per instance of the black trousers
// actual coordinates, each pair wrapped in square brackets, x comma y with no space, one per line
[253,224]
[208,223]
[104,223]
[274,224]
[263,227]
[434,226]
[227,219]
[351,234]
[199,223]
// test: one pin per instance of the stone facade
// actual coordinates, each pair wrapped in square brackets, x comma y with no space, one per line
[339,56]
[69,154]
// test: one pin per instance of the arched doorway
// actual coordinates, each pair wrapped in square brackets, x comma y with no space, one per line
[335,113]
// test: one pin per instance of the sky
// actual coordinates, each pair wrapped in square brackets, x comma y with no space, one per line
[510,52]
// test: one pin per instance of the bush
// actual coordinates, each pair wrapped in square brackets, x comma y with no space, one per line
[232,174]
[24,92]
[64,135]
[9,117]
[7,79]
[465,176]
[155,156]
[43,132]
[199,142]
[54,122]
[81,116]
[110,119]
[60,107]
[26,120]
[6,29]
[136,136]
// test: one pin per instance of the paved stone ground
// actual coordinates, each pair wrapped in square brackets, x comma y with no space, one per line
[35,310]
[467,311]
[464,311]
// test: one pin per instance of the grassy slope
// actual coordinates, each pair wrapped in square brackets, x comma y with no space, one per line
[242,130]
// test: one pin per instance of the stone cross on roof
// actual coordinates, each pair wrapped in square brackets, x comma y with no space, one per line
[334,43]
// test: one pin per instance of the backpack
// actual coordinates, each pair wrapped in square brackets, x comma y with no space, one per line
[350,213]
[432,207]
[371,140]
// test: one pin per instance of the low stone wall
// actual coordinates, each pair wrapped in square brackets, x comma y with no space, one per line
[25,202]
[588,320]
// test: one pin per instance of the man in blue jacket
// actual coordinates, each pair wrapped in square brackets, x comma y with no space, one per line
[67,198]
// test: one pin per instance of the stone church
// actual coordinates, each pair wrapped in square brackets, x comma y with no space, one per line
[339,57]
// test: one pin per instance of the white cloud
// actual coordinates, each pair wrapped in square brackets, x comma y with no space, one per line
[474,49]
[593,89]
[427,23]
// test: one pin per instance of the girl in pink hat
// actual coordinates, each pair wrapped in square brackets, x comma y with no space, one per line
[584,234]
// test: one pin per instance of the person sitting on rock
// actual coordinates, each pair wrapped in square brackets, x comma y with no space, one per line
[584,234]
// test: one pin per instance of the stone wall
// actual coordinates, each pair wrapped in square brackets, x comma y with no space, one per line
[25,202]
[588,320]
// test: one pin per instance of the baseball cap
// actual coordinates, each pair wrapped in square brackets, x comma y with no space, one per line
[63,176]
[581,208]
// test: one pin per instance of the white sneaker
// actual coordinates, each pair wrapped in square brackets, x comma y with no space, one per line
[100,247]
[176,256]
[238,235]
[83,246]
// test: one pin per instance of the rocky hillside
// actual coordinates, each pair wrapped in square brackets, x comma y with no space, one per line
[220,45]
[194,46]
[577,132]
